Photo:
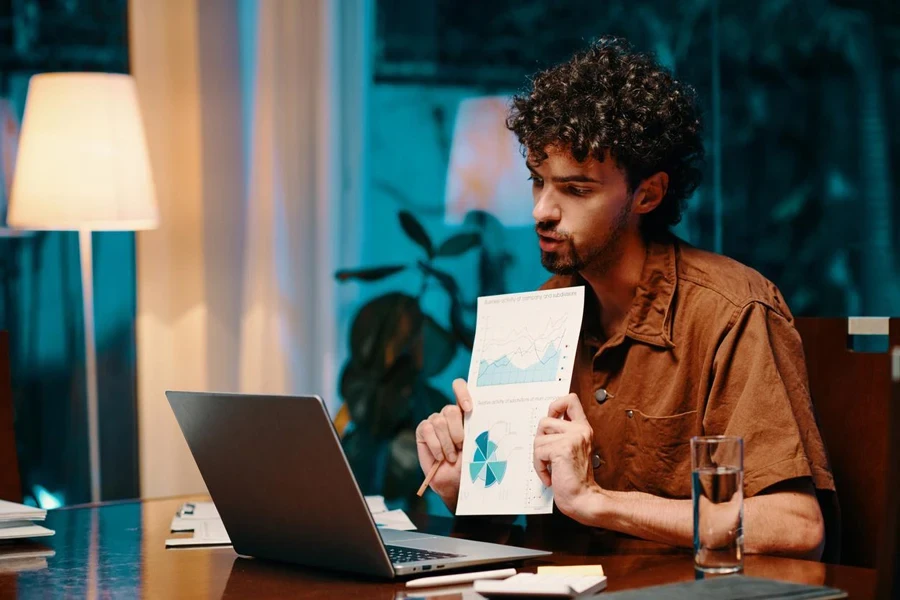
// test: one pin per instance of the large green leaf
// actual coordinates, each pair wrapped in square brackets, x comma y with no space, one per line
[465,335]
[379,401]
[416,232]
[426,400]
[403,474]
[385,328]
[793,204]
[373,274]
[445,279]
[391,404]
[367,457]
[358,387]
[493,260]
[458,244]
[438,348]
[481,219]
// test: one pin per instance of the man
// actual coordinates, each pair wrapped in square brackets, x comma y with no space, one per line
[676,341]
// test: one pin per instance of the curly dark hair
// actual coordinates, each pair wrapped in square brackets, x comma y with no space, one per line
[611,98]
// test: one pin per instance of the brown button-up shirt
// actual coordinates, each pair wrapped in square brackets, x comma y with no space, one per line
[708,348]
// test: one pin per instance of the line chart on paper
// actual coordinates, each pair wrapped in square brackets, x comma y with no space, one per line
[531,354]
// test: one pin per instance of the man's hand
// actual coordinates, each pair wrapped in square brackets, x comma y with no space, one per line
[440,437]
[562,456]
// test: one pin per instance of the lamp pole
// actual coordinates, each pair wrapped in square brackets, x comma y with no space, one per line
[90,360]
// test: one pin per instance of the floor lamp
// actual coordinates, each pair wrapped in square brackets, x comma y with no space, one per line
[82,165]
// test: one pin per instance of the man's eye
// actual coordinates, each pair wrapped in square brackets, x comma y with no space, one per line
[577,191]
[536,180]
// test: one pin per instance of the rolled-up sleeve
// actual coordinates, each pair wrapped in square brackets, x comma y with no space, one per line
[760,392]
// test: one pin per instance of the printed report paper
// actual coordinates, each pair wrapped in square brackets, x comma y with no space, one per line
[522,361]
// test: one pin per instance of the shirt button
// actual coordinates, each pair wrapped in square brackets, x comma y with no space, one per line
[629,414]
[595,461]
[600,396]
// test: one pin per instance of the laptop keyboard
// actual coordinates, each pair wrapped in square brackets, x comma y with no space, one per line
[400,554]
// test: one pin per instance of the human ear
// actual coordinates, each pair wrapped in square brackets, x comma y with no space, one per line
[650,193]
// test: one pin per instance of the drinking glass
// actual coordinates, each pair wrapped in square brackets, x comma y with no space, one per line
[717,490]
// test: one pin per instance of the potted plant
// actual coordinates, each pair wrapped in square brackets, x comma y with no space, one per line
[395,349]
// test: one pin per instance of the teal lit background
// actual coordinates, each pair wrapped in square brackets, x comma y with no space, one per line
[800,107]
[800,114]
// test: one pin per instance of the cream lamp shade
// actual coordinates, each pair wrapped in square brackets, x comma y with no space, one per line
[82,161]
[487,171]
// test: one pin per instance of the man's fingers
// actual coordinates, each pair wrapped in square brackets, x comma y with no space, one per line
[426,458]
[574,430]
[542,463]
[548,425]
[461,391]
[453,415]
[568,406]
[442,431]
[425,435]
[548,439]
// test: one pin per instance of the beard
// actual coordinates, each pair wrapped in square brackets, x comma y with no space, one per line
[598,258]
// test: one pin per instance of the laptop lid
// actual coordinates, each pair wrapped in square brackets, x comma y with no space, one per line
[280,481]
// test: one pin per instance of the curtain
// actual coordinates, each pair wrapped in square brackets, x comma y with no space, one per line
[255,118]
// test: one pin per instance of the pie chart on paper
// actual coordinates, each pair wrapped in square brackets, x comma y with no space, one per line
[486,467]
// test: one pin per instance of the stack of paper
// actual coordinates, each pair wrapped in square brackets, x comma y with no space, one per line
[204,521]
[17,521]
[28,557]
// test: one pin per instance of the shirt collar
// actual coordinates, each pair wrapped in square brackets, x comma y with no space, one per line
[649,318]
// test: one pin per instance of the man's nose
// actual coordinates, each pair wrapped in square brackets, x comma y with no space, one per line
[545,209]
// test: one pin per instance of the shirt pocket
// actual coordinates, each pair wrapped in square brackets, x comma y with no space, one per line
[659,450]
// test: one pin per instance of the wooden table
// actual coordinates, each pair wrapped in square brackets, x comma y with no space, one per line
[117,550]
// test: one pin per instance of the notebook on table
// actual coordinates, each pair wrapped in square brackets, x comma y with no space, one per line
[736,587]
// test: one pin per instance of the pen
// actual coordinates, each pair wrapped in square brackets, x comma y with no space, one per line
[423,582]
[429,477]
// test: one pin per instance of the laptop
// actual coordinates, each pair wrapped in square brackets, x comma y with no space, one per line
[279,478]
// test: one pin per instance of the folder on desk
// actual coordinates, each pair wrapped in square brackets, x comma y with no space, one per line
[17,521]
[12,511]
[18,558]
[734,587]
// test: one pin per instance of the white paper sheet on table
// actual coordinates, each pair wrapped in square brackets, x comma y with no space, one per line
[390,519]
[394,519]
[13,511]
[191,512]
[376,504]
[12,530]
[207,532]
[522,361]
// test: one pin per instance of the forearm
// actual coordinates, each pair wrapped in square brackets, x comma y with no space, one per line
[786,522]
[641,515]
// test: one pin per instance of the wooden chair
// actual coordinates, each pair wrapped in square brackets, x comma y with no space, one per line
[889,551]
[851,395]
[10,483]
